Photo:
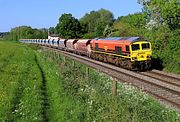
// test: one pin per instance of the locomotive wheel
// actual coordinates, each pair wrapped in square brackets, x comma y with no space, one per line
[116,62]
[145,66]
[149,66]
[120,62]
[141,66]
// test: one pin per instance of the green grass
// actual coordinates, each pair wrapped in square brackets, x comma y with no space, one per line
[36,85]
[19,84]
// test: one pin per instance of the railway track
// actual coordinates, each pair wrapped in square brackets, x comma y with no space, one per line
[164,87]
[170,79]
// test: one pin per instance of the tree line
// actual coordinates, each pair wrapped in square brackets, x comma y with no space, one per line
[26,32]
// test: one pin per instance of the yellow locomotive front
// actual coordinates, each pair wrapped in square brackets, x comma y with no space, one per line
[141,54]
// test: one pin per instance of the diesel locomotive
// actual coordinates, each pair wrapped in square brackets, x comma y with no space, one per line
[133,53]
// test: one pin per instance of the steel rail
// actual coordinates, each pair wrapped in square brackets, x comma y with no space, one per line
[164,78]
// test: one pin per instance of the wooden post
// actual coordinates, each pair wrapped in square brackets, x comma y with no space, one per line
[73,63]
[52,55]
[87,73]
[48,54]
[44,52]
[55,58]
[64,59]
[114,87]
[60,58]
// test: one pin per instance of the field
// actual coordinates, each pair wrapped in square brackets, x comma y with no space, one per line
[36,85]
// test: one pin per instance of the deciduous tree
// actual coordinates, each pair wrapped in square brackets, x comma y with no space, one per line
[68,27]
[96,22]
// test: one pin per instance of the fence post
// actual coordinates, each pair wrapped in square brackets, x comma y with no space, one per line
[54,53]
[48,54]
[87,73]
[73,63]
[114,87]
[64,60]
[55,56]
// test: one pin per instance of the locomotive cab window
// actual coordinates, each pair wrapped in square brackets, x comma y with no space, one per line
[145,46]
[135,47]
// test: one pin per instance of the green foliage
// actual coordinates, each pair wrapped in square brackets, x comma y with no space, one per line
[52,30]
[26,32]
[131,25]
[166,48]
[96,22]
[90,35]
[163,12]
[68,27]
[123,30]
[135,20]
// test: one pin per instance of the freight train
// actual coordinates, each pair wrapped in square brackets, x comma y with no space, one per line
[133,53]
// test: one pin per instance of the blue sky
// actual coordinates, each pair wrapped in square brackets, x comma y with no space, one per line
[45,13]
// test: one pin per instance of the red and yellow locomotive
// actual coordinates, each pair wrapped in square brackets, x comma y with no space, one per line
[132,53]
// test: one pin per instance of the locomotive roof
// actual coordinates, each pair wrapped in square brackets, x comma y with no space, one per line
[130,39]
